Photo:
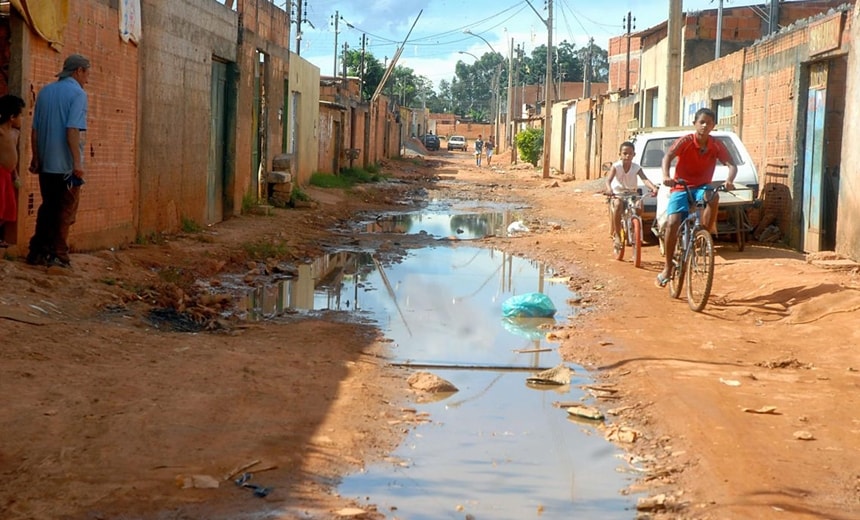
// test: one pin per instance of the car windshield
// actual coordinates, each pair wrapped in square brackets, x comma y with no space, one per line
[655,149]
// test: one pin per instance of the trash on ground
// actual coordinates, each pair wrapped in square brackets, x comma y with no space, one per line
[730,382]
[558,375]
[350,511]
[529,305]
[763,410]
[803,435]
[585,412]
[517,227]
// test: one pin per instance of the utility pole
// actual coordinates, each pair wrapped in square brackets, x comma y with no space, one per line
[773,17]
[361,66]
[587,71]
[631,24]
[335,20]
[547,125]
[343,61]
[509,98]
[673,69]
[717,52]
[300,19]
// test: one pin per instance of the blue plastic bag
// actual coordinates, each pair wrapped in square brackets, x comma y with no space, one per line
[529,305]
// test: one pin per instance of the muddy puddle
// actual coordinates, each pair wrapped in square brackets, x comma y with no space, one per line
[498,448]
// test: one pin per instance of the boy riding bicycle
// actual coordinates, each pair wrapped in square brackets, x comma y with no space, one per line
[697,155]
[622,179]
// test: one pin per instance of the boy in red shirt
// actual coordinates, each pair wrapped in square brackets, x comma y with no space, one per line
[697,155]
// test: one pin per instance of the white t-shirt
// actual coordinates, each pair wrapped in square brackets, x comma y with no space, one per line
[625,181]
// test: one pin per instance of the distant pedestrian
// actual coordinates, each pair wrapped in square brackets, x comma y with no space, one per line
[490,146]
[59,126]
[479,150]
[10,130]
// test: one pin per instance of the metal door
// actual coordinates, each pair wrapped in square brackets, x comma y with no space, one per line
[217,149]
[813,157]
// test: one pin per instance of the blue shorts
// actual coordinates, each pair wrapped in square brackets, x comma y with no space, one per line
[678,202]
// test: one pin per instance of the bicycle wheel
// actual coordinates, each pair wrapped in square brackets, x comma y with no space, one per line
[700,270]
[676,281]
[636,240]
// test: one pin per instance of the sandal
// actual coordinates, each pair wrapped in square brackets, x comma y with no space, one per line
[661,281]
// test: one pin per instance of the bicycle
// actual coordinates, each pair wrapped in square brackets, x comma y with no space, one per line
[694,252]
[630,233]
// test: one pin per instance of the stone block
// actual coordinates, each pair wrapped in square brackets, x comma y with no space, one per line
[279,177]
[282,162]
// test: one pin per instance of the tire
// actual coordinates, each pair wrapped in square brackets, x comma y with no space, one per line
[700,270]
[676,281]
[636,241]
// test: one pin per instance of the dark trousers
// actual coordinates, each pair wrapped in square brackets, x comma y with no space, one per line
[55,216]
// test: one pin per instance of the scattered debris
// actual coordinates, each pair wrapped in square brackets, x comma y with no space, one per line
[730,382]
[789,362]
[586,412]
[770,410]
[430,383]
[623,434]
[803,435]
[350,512]
[558,375]
[656,503]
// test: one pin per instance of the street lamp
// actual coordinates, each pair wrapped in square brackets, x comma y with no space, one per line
[495,85]
[470,33]
[470,54]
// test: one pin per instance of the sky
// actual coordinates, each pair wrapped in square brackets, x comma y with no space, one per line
[438,40]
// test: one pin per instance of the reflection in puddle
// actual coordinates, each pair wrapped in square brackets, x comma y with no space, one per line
[461,226]
[498,448]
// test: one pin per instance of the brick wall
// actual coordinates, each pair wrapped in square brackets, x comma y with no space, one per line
[106,214]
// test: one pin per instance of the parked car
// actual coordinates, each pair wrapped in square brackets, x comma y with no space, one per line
[651,146]
[457,142]
[431,142]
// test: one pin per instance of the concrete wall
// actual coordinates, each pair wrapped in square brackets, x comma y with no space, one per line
[181,38]
[652,76]
[106,216]
[848,229]
[559,135]
[304,79]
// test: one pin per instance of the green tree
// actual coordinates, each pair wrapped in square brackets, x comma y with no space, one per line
[476,87]
[373,70]
[530,144]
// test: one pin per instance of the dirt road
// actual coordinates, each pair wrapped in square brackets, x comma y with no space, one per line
[110,410]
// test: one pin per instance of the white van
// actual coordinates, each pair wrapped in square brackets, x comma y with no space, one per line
[651,146]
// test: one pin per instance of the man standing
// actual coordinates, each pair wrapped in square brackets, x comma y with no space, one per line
[479,149]
[57,140]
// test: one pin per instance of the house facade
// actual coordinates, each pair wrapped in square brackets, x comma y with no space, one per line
[189,102]
[786,95]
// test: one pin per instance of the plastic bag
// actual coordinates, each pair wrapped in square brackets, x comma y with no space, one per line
[529,305]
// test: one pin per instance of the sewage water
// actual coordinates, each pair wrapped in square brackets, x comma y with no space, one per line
[498,448]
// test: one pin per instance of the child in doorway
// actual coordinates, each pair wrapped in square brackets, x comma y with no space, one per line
[10,129]
[490,146]
[697,155]
[623,178]
[479,149]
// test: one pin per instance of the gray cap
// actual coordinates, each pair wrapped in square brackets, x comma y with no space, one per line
[73,63]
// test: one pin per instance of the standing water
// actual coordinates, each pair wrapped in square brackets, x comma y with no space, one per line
[498,448]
